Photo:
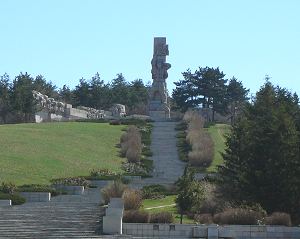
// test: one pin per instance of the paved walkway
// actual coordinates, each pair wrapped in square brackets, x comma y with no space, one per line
[167,165]
[165,156]
[163,206]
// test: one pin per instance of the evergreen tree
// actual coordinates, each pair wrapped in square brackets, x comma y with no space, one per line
[191,193]
[184,95]
[120,90]
[5,104]
[205,88]
[47,88]
[262,160]
[82,93]
[211,85]
[236,96]
[21,97]
[66,95]
[138,97]
[100,95]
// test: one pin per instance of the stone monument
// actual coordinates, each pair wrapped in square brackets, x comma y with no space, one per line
[158,100]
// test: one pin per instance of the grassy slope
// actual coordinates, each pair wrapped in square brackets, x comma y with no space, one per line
[217,132]
[35,153]
[163,202]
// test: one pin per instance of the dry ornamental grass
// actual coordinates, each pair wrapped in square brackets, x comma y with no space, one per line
[201,142]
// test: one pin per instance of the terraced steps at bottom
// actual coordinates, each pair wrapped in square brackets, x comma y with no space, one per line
[51,220]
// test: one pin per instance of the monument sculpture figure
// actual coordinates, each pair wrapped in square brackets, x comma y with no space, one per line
[158,99]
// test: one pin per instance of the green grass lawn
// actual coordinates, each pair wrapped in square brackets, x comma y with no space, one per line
[168,200]
[36,153]
[217,133]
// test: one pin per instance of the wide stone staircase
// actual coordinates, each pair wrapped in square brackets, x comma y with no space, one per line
[167,165]
[65,216]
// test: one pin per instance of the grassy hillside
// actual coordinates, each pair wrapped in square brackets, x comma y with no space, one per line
[217,133]
[36,153]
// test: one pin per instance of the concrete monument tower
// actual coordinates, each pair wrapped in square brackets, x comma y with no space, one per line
[158,102]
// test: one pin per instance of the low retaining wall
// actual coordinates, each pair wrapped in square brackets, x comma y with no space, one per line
[133,178]
[210,231]
[36,196]
[5,203]
[74,190]
[100,183]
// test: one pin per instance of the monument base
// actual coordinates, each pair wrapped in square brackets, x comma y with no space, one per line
[159,115]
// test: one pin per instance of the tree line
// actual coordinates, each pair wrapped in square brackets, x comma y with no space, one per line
[261,168]
[17,103]
[208,88]
[262,157]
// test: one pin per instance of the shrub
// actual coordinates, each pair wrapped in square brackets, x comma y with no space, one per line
[39,188]
[212,203]
[123,138]
[135,216]
[132,199]
[202,149]
[161,217]
[200,141]
[114,122]
[154,191]
[102,173]
[134,168]
[124,148]
[133,154]
[203,218]
[254,207]
[279,218]
[133,121]
[237,216]
[9,188]
[115,189]
[16,199]
[131,144]
[73,181]
[188,115]
[147,152]
[208,207]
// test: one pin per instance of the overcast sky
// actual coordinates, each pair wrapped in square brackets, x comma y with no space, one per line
[65,40]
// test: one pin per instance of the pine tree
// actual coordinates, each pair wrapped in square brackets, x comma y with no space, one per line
[21,97]
[236,97]
[191,193]
[5,104]
[261,162]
